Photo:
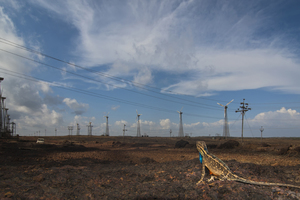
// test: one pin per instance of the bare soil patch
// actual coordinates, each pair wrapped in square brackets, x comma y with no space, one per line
[143,168]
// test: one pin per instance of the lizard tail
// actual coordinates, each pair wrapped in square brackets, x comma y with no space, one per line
[242,180]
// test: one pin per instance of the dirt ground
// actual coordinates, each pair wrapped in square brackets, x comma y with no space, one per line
[82,167]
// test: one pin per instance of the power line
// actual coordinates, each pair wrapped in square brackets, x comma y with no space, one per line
[139,85]
[249,126]
[275,103]
[90,79]
[30,78]
[231,125]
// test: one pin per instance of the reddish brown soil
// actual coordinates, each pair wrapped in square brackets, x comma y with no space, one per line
[142,168]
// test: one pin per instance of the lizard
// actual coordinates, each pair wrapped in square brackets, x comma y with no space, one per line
[219,169]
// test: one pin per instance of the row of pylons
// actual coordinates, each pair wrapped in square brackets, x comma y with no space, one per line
[7,128]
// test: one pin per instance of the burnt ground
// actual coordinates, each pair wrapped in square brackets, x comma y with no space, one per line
[142,168]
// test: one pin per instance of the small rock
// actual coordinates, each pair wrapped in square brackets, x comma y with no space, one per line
[146,160]
[265,144]
[230,144]
[8,194]
[39,178]
[181,143]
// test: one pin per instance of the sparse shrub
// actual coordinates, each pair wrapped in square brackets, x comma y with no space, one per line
[297,149]
[265,144]
[230,144]
[283,150]
[181,143]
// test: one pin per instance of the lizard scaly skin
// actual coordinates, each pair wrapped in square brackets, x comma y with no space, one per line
[219,169]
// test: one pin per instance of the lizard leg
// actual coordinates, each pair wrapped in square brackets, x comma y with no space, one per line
[203,173]
[212,178]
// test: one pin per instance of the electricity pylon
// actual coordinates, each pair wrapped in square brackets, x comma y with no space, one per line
[1,106]
[78,129]
[70,128]
[138,134]
[106,130]
[226,127]
[90,129]
[124,129]
[180,133]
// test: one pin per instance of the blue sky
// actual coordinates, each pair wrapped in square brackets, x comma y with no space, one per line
[155,57]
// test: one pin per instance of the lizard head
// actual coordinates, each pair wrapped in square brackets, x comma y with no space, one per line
[201,147]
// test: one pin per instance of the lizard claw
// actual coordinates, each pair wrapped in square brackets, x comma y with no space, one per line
[199,182]
[212,178]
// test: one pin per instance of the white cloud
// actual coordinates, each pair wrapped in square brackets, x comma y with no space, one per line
[144,123]
[279,118]
[149,123]
[233,71]
[136,38]
[26,105]
[22,95]
[198,47]
[144,76]
[82,120]
[78,108]
[45,87]
[121,123]
[115,107]
[192,125]
[12,3]
[165,123]
[42,118]
[8,61]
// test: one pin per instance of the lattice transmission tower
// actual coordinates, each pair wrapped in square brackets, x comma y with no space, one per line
[107,129]
[138,132]
[90,129]
[226,127]
[78,129]
[180,133]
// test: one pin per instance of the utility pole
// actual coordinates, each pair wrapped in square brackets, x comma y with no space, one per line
[1,107]
[261,130]
[70,128]
[55,132]
[124,130]
[244,109]
[89,129]
[8,124]
[170,132]
[13,129]
[78,129]
[5,116]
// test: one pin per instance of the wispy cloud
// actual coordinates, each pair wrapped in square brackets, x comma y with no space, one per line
[115,107]
[183,37]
